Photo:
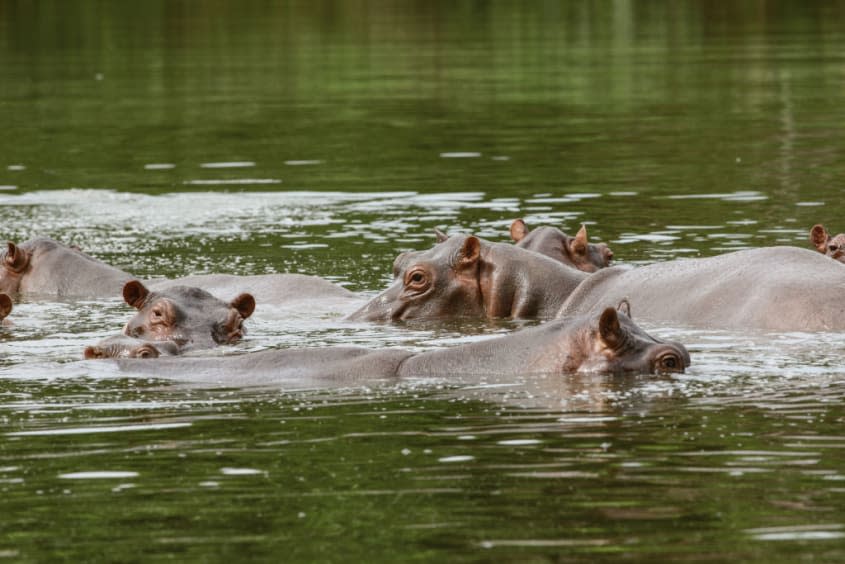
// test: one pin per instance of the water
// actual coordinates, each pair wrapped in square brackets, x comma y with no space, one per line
[325,138]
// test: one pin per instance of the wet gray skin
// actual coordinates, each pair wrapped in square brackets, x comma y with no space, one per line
[764,289]
[44,266]
[576,252]
[188,316]
[607,343]
[829,245]
[121,346]
[466,277]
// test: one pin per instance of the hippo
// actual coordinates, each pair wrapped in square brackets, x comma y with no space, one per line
[5,306]
[188,316]
[464,276]
[554,243]
[607,343]
[268,289]
[739,290]
[44,266]
[834,247]
[121,346]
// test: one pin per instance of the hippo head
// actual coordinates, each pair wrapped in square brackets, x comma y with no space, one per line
[834,247]
[613,343]
[188,316]
[121,346]
[5,306]
[573,251]
[15,264]
[436,283]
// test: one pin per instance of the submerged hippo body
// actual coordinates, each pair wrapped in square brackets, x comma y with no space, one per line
[769,288]
[185,315]
[827,244]
[606,343]
[267,289]
[42,266]
[576,252]
[463,276]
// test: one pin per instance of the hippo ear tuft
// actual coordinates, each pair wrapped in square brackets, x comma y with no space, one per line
[441,236]
[17,258]
[819,237]
[470,252]
[518,230]
[609,327]
[624,306]
[135,293]
[5,306]
[245,304]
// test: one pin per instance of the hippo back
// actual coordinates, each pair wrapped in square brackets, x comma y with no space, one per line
[769,288]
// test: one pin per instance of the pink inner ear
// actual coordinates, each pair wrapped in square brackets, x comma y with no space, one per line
[245,304]
[518,230]
[134,293]
[819,237]
[5,305]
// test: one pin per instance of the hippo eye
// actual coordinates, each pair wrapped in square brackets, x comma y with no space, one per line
[670,362]
[832,248]
[416,279]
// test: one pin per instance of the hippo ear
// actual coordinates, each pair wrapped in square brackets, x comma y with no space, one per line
[518,230]
[470,251]
[609,328]
[819,237]
[93,352]
[625,307]
[440,235]
[135,293]
[578,245]
[5,306]
[16,258]
[245,304]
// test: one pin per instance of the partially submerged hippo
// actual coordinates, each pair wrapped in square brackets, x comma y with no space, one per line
[464,276]
[188,316]
[607,343]
[272,289]
[768,288]
[5,306]
[832,246]
[576,251]
[121,346]
[44,266]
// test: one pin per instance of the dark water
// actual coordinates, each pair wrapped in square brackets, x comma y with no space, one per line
[172,138]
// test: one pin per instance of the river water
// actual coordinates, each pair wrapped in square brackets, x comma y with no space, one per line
[324,138]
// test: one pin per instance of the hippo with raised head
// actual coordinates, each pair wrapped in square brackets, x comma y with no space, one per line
[121,346]
[607,343]
[576,251]
[464,276]
[44,266]
[188,316]
[5,306]
[832,246]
